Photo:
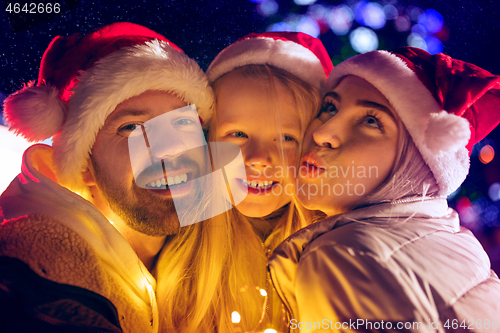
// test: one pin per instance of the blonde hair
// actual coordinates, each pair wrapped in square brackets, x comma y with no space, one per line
[202,271]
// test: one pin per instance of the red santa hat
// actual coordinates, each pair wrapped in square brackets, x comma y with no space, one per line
[298,53]
[84,77]
[446,105]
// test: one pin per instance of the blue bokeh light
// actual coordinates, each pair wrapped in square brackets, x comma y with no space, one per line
[390,12]
[402,23]
[267,7]
[373,15]
[363,40]
[494,191]
[415,40]
[318,12]
[304,2]
[434,45]
[280,26]
[308,26]
[432,20]
[340,20]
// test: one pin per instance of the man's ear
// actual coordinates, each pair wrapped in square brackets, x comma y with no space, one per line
[88,175]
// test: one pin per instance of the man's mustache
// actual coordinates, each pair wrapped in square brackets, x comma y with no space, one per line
[166,167]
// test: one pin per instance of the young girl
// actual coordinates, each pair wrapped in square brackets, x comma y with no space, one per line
[384,153]
[267,89]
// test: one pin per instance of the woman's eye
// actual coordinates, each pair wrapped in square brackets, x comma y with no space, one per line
[238,134]
[329,109]
[372,122]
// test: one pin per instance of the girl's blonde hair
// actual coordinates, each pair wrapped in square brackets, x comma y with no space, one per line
[212,268]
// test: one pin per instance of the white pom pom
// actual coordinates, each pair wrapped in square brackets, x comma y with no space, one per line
[35,112]
[446,132]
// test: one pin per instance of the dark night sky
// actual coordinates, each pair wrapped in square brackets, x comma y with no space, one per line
[202,28]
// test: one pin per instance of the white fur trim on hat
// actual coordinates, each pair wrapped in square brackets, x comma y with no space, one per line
[440,137]
[117,77]
[35,112]
[286,55]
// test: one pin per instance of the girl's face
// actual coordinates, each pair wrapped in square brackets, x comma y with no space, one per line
[350,148]
[247,114]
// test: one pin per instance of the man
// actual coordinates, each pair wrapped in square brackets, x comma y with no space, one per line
[81,228]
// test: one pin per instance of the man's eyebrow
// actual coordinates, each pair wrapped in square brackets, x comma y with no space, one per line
[380,107]
[128,113]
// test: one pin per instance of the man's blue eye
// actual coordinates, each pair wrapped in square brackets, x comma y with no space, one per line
[129,127]
[184,122]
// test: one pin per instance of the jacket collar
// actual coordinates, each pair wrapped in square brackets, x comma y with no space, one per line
[396,212]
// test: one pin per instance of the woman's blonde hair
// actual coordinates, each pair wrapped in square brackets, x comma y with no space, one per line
[203,271]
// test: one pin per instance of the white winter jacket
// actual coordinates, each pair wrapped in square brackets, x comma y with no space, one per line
[405,266]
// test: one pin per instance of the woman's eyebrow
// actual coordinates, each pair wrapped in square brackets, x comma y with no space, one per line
[374,105]
[334,95]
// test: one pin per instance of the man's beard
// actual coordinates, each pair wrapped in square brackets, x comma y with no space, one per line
[138,208]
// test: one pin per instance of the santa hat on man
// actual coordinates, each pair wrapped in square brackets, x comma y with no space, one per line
[446,105]
[298,53]
[84,77]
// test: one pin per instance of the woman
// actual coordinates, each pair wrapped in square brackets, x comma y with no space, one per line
[385,156]
[267,91]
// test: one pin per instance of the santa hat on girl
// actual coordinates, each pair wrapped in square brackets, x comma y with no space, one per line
[298,53]
[84,77]
[446,105]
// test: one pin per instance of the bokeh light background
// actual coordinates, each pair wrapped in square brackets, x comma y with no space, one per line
[464,29]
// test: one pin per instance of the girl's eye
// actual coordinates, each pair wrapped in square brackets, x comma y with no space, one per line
[238,134]
[289,138]
[329,109]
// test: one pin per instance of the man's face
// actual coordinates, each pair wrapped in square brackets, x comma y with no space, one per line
[144,206]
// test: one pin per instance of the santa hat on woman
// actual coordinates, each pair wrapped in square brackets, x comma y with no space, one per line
[446,105]
[84,77]
[298,53]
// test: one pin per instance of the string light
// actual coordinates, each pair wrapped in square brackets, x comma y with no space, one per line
[235,317]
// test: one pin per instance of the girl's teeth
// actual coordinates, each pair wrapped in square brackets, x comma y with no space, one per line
[177,179]
[170,180]
[184,177]
[158,183]
[258,184]
[163,182]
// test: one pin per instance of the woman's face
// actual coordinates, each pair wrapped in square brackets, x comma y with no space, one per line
[247,115]
[349,149]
